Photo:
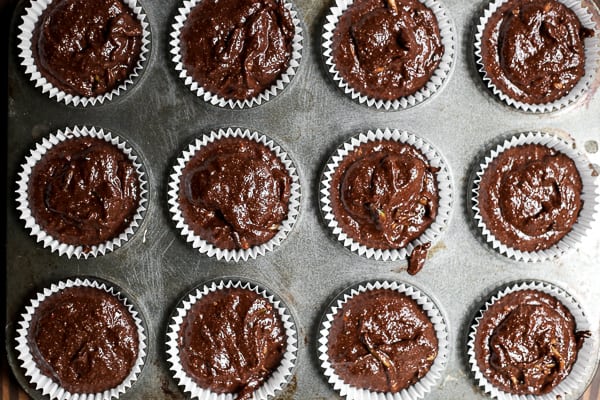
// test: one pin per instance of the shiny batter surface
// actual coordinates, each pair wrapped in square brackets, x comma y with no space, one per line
[231,341]
[84,339]
[237,48]
[382,340]
[234,193]
[387,49]
[416,260]
[530,197]
[84,191]
[87,47]
[384,194]
[526,343]
[533,50]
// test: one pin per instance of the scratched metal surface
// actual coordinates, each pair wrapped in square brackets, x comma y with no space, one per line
[160,116]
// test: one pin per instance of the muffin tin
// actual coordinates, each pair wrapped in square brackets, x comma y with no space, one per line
[159,116]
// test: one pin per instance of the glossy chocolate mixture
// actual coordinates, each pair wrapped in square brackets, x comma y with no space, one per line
[533,50]
[84,191]
[384,194]
[530,197]
[84,339]
[231,341]
[234,193]
[87,47]
[417,258]
[387,49]
[382,341]
[526,343]
[237,48]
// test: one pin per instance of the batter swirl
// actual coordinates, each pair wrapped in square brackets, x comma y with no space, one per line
[381,340]
[526,343]
[384,194]
[85,339]
[231,341]
[387,50]
[530,197]
[87,47]
[234,193]
[533,50]
[84,191]
[237,48]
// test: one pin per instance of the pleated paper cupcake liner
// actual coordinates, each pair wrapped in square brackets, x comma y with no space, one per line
[46,385]
[435,84]
[24,207]
[208,248]
[279,377]
[589,196]
[592,58]
[275,89]
[416,391]
[574,383]
[444,187]
[29,21]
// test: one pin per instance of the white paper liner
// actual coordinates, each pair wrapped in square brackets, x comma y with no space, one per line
[443,181]
[29,20]
[23,197]
[589,196]
[280,84]
[592,56]
[435,84]
[45,384]
[574,383]
[416,391]
[280,376]
[208,248]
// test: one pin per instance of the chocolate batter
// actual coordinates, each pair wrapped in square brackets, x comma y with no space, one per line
[231,341]
[384,194]
[526,343]
[530,197]
[533,50]
[234,193]
[84,339]
[387,49]
[237,48]
[87,47]
[416,260]
[84,191]
[382,341]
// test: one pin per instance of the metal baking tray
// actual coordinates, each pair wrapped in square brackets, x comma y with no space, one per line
[159,116]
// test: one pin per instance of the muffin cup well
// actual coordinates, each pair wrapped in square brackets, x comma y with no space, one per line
[47,385]
[576,379]
[589,196]
[208,248]
[416,391]
[444,187]
[23,193]
[278,379]
[592,57]
[276,88]
[29,21]
[435,84]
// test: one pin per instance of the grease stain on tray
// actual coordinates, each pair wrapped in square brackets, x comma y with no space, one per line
[166,390]
[290,390]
